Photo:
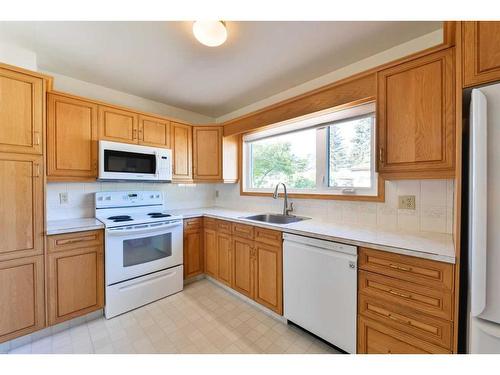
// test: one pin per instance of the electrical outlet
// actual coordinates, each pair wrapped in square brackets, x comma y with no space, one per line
[63,197]
[406,202]
[216,193]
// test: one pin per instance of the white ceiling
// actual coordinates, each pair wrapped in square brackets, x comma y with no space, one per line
[162,61]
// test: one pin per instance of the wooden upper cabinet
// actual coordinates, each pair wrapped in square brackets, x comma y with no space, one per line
[207,153]
[182,148]
[154,132]
[22,308]
[481,52]
[71,137]
[416,117]
[21,112]
[21,208]
[117,125]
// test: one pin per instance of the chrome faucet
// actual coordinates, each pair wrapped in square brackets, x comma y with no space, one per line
[286,209]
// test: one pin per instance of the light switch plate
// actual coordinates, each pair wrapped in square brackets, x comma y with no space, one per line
[406,202]
[63,197]
[216,193]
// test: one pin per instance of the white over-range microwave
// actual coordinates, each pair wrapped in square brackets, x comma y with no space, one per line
[122,161]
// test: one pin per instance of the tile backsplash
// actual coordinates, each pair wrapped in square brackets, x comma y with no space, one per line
[433,213]
[81,196]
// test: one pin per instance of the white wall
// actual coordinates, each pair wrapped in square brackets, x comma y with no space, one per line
[90,90]
[433,213]
[17,56]
[405,49]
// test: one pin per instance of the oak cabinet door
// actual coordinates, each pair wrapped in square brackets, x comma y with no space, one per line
[75,283]
[71,137]
[211,256]
[21,112]
[193,253]
[207,153]
[481,52]
[243,266]
[21,207]
[117,125]
[416,117]
[224,257]
[269,276]
[22,307]
[154,132]
[182,148]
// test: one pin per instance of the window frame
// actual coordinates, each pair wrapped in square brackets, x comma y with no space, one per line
[375,193]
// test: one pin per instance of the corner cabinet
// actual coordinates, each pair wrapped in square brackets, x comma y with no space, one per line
[416,118]
[75,275]
[207,153]
[22,112]
[481,52]
[71,138]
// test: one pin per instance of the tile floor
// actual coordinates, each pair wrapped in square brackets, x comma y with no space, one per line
[204,318]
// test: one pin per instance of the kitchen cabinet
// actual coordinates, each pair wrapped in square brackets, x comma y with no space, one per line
[22,205]
[405,304]
[75,275]
[193,247]
[244,266]
[211,254]
[71,138]
[22,102]
[117,125]
[154,131]
[182,147]
[224,258]
[207,153]
[22,308]
[481,52]
[416,117]
[269,276]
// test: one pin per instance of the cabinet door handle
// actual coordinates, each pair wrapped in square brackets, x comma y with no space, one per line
[36,138]
[141,135]
[134,134]
[399,294]
[381,154]
[36,170]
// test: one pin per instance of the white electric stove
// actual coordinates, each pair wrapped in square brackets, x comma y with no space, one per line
[143,249]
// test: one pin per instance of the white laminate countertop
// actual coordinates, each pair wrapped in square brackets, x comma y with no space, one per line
[72,225]
[435,246]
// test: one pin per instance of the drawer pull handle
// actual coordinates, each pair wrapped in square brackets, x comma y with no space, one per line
[395,266]
[399,294]
[75,240]
[407,322]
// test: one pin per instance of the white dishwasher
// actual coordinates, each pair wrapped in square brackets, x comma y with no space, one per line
[320,288]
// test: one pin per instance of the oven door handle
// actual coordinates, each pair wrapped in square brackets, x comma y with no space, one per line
[146,229]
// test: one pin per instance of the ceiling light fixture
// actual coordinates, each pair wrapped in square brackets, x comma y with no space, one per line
[210,33]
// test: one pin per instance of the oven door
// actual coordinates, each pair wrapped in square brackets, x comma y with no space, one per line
[120,161]
[134,251]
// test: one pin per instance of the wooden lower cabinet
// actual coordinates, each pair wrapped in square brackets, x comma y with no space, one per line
[75,275]
[244,266]
[224,258]
[269,276]
[193,247]
[22,308]
[211,257]
[405,304]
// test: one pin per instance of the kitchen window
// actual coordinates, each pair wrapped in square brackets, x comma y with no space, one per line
[328,153]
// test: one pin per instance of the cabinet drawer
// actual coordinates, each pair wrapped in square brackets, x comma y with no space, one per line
[424,299]
[68,241]
[377,338]
[420,271]
[224,226]
[209,223]
[419,325]
[243,231]
[267,236]
[193,224]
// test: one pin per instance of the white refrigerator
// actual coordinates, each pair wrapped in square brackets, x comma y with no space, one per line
[484,222]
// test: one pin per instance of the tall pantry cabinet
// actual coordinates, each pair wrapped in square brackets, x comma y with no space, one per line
[22,129]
